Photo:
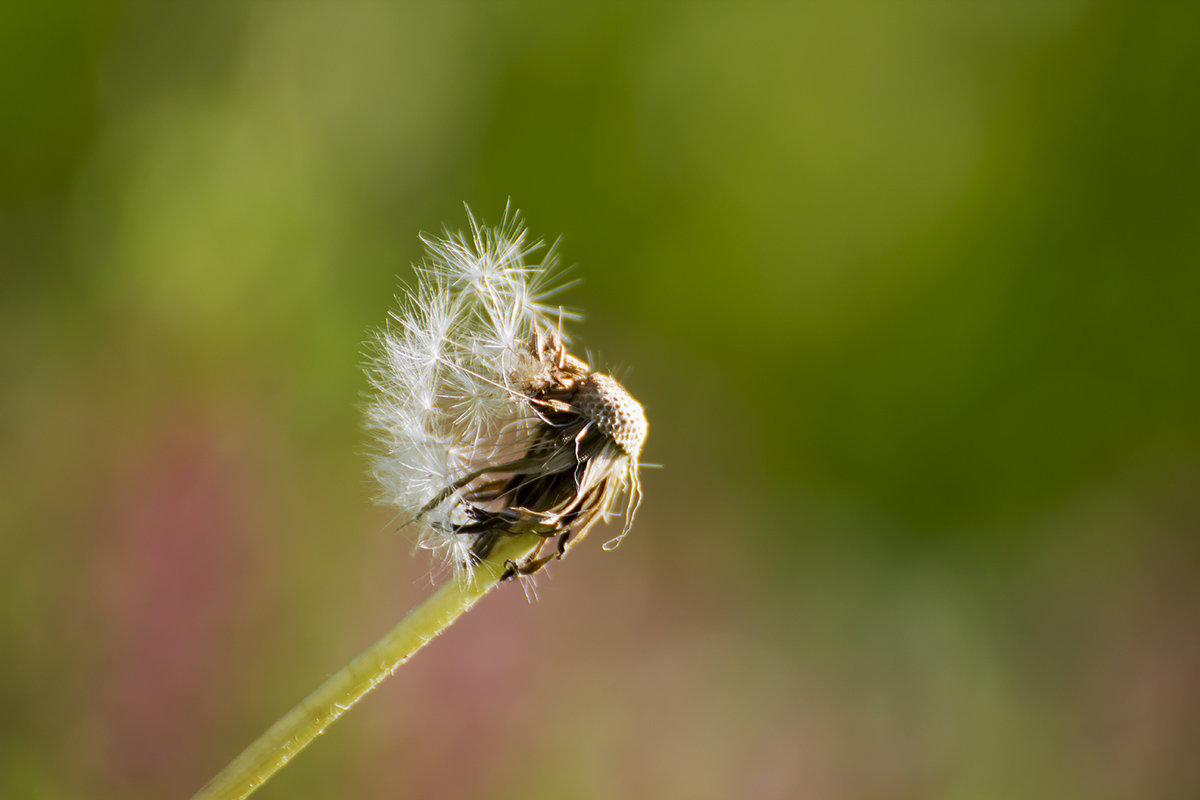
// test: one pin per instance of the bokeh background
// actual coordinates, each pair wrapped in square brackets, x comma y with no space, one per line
[910,292]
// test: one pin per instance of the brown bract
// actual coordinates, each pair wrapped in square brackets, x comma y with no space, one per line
[581,457]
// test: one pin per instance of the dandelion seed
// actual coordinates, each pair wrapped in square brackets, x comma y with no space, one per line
[487,427]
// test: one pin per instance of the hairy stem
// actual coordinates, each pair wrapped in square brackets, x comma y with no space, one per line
[309,719]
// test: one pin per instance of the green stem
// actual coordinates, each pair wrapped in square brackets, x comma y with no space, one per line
[309,719]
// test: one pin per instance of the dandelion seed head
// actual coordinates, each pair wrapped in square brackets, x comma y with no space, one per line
[485,425]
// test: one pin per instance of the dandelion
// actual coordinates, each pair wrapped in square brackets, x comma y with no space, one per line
[492,440]
[487,426]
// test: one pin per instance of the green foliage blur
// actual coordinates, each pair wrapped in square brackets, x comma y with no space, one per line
[911,293]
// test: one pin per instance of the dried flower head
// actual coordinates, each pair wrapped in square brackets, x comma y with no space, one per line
[487,426]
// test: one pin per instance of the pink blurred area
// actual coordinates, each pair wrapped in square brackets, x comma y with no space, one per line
[178,579]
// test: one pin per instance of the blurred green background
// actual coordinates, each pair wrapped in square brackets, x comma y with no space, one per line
[910,294]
